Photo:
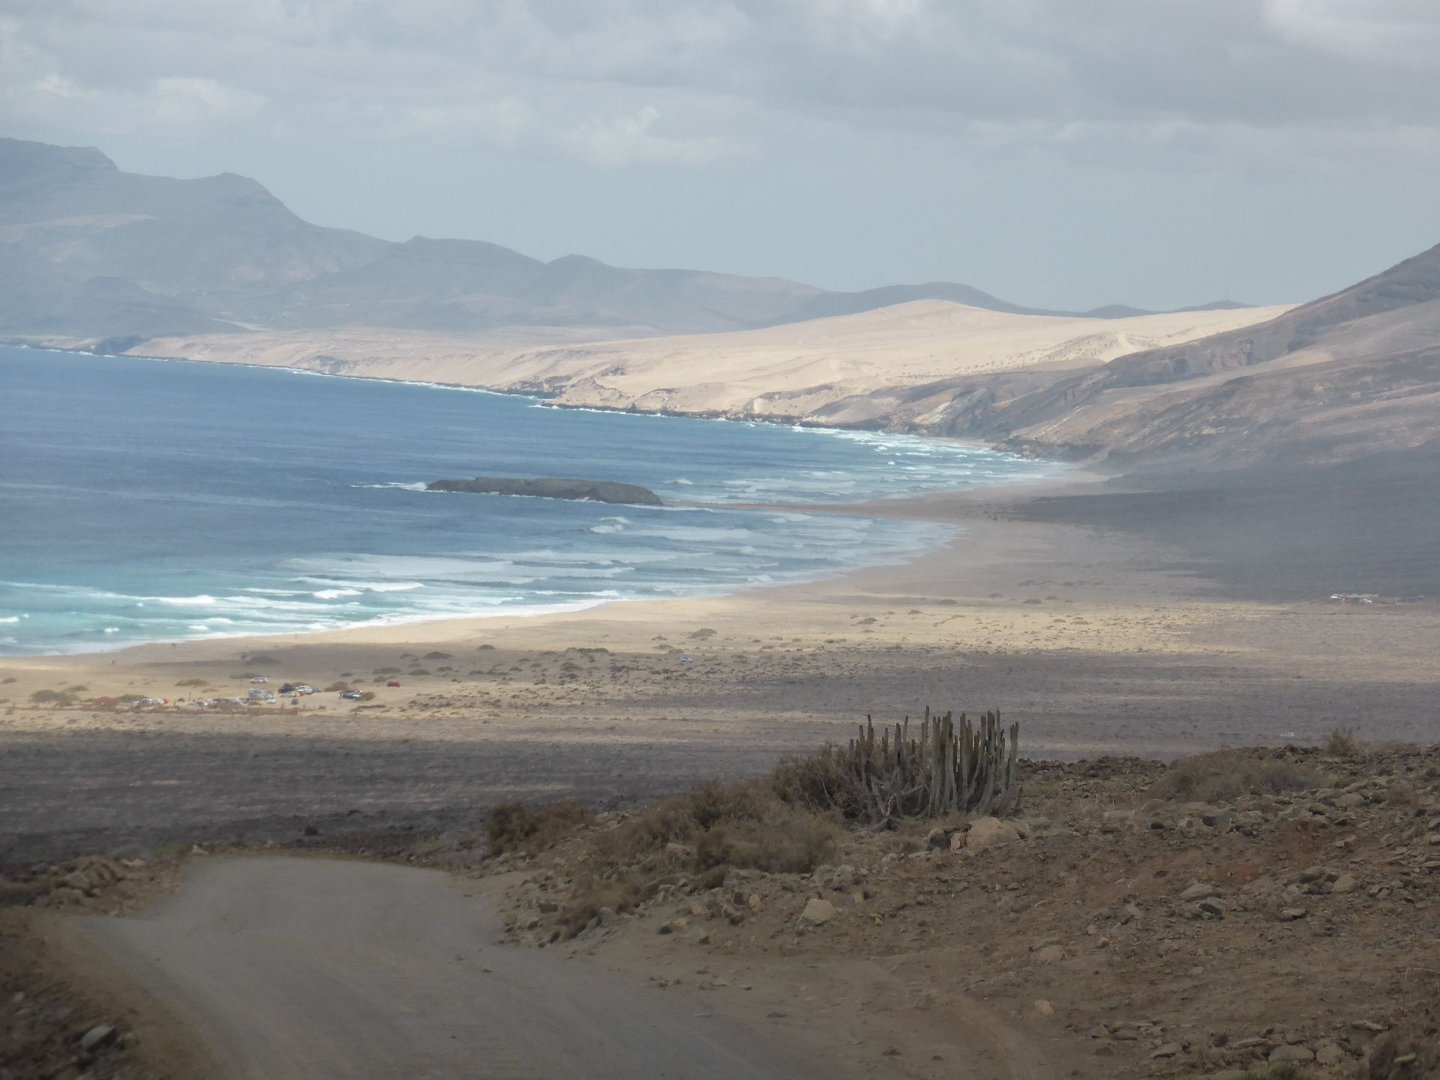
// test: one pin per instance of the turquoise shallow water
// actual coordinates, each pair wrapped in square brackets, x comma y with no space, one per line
[151,500]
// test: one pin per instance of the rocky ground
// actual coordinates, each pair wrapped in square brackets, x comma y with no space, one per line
[1252,913]
[1255,913]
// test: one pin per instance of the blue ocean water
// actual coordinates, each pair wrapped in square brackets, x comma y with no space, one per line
[152,500]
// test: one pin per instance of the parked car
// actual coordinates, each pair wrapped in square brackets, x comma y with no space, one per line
[259,680]
[350,695]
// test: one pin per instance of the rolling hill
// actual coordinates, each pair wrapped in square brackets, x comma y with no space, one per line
[1350,375]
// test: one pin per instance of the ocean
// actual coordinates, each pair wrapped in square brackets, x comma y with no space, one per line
[152,500]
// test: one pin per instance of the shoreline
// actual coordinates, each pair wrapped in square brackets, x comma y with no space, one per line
[936,507]
[915,506]
[1097,641]
[546,401]
[1105,617]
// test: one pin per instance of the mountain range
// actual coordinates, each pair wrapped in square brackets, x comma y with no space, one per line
[219,269]
[87,249]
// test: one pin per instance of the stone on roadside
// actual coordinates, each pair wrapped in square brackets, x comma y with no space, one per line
[97,1038]
[1050,954]
[989,832]
[1199,891]
[1291,1054]
[817,913]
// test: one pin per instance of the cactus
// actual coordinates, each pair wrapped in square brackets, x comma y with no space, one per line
[951,766]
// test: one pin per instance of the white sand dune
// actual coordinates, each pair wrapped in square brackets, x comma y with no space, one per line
[850,364]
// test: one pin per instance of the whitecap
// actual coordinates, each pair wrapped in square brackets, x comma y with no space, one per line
[396,485]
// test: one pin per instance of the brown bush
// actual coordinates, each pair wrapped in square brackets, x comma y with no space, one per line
[819,781]
[794,844]
[1229,774]
[1341,742]
[698,838]
[516,827]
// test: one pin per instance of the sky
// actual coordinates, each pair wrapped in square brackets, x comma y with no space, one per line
[1056,153]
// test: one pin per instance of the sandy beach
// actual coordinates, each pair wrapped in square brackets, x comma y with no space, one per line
[1097,638]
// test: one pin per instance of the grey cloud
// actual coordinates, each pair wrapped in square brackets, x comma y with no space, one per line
[694,82]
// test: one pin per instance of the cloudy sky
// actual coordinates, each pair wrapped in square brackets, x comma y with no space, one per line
[1062,153]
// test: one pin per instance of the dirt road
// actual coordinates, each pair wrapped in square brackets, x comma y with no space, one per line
[314,968]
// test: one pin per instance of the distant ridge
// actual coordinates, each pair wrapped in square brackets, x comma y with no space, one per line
[87,250]
[1352,375]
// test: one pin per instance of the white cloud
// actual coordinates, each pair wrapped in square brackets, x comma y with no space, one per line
[188,103]
[632,139]
[1383,32]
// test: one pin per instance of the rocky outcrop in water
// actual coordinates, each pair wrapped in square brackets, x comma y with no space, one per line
[605,491]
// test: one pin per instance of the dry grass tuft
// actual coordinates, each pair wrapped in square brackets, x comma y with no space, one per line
[1410,1052]
[696,838]
[1341,742]
[1229,774]
[516,827]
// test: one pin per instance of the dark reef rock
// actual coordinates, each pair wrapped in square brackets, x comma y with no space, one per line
[593,490]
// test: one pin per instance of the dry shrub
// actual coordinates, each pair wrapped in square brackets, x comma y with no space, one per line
[516,827]
[793,843]
[52,697]
[745,825]
[1341,742]
[1402,792]
[697,838]
[819,781]
[1410,1052]
[1229,774]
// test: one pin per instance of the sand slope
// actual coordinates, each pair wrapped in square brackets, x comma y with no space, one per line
[844,369]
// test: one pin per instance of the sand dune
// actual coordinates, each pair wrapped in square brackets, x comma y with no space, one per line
[789,372]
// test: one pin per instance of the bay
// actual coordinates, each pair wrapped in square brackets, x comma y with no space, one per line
[152,500]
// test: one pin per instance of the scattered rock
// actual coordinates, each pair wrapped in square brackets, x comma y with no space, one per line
[97,1038]
[817,913]
[1291,1054]
[1050,954]
[989,832]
